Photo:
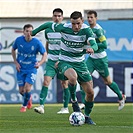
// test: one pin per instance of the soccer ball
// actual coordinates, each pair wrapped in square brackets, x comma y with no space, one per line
[76,119]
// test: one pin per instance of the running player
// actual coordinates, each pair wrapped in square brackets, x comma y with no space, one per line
[98,61]
[53,49]
[72,66]
[26,63]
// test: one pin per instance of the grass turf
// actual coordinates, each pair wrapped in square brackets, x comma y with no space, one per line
[106,116]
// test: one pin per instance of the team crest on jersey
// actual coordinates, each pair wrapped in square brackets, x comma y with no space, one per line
[83,38]
[32,48]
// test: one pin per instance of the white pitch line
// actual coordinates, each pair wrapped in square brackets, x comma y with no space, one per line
[130,127]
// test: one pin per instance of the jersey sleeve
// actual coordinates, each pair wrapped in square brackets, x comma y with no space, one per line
[42,27]
[91,39]
[42,49]
[57,27]
[14,46]
[45,34]
[102,39]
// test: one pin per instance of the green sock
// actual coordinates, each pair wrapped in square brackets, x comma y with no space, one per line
[66,97]
[82,95]
[43,95]
[72,89]
[88,107]
[114,87]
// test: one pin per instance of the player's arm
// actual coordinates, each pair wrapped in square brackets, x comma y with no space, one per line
[46,38]
[46,46]
[91,40]
[42,27]
[43,59]
[43,52]
[54,26]
[102,39]
[13,52]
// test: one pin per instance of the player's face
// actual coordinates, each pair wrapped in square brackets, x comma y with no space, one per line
[91,19]
[76,24]
[57,17]
[27,33]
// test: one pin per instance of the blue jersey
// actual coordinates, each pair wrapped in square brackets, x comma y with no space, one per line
[27,51]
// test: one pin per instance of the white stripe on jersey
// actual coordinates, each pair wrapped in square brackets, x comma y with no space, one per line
[91,38]
[74,38]
[98,55]
[54,47]
[74,50]
[72,59]
[53,57]
[53,27]
[54,35]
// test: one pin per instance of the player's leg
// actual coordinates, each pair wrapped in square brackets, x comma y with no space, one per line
[22,91]
[50,72]
[115,88]
[72,84]
[30,77]
[27,96]
[89,101]
[43,94]
[101,65]
[82,104]
[21,83]
[67,72]
[66,97]
[104,72]
[90,65]
[85,79]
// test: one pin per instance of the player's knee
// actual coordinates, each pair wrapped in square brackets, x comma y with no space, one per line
[108,82]
[64,84]
[46,83]
[21,92]
[89,95]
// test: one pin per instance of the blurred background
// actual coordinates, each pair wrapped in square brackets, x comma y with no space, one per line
[115,16]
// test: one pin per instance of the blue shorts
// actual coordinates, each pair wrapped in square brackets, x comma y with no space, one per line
[26,76]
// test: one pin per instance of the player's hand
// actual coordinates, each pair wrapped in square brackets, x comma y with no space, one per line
[89,51]
[17,66]
[56,64]
[37,65]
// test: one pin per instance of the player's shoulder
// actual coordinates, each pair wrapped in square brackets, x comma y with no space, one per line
[20,38]
[84,26]
[67,25]
[35,39]
[97,26]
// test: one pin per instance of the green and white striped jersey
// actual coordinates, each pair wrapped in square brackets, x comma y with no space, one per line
[54,41]
[72,43]
[101,42]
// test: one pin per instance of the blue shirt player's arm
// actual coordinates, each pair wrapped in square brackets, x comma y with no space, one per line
[43,52]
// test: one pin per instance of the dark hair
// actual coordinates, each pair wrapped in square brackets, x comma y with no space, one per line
[92,12]
[76,15]
[58,10]
[27,26]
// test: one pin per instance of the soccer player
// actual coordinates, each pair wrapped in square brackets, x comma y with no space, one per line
[72,66]
[98,61]
[53,49]
[26,63]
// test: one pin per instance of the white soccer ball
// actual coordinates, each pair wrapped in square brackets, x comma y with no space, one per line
[76,119]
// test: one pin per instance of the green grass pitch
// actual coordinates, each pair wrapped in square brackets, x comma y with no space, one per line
[106,116]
